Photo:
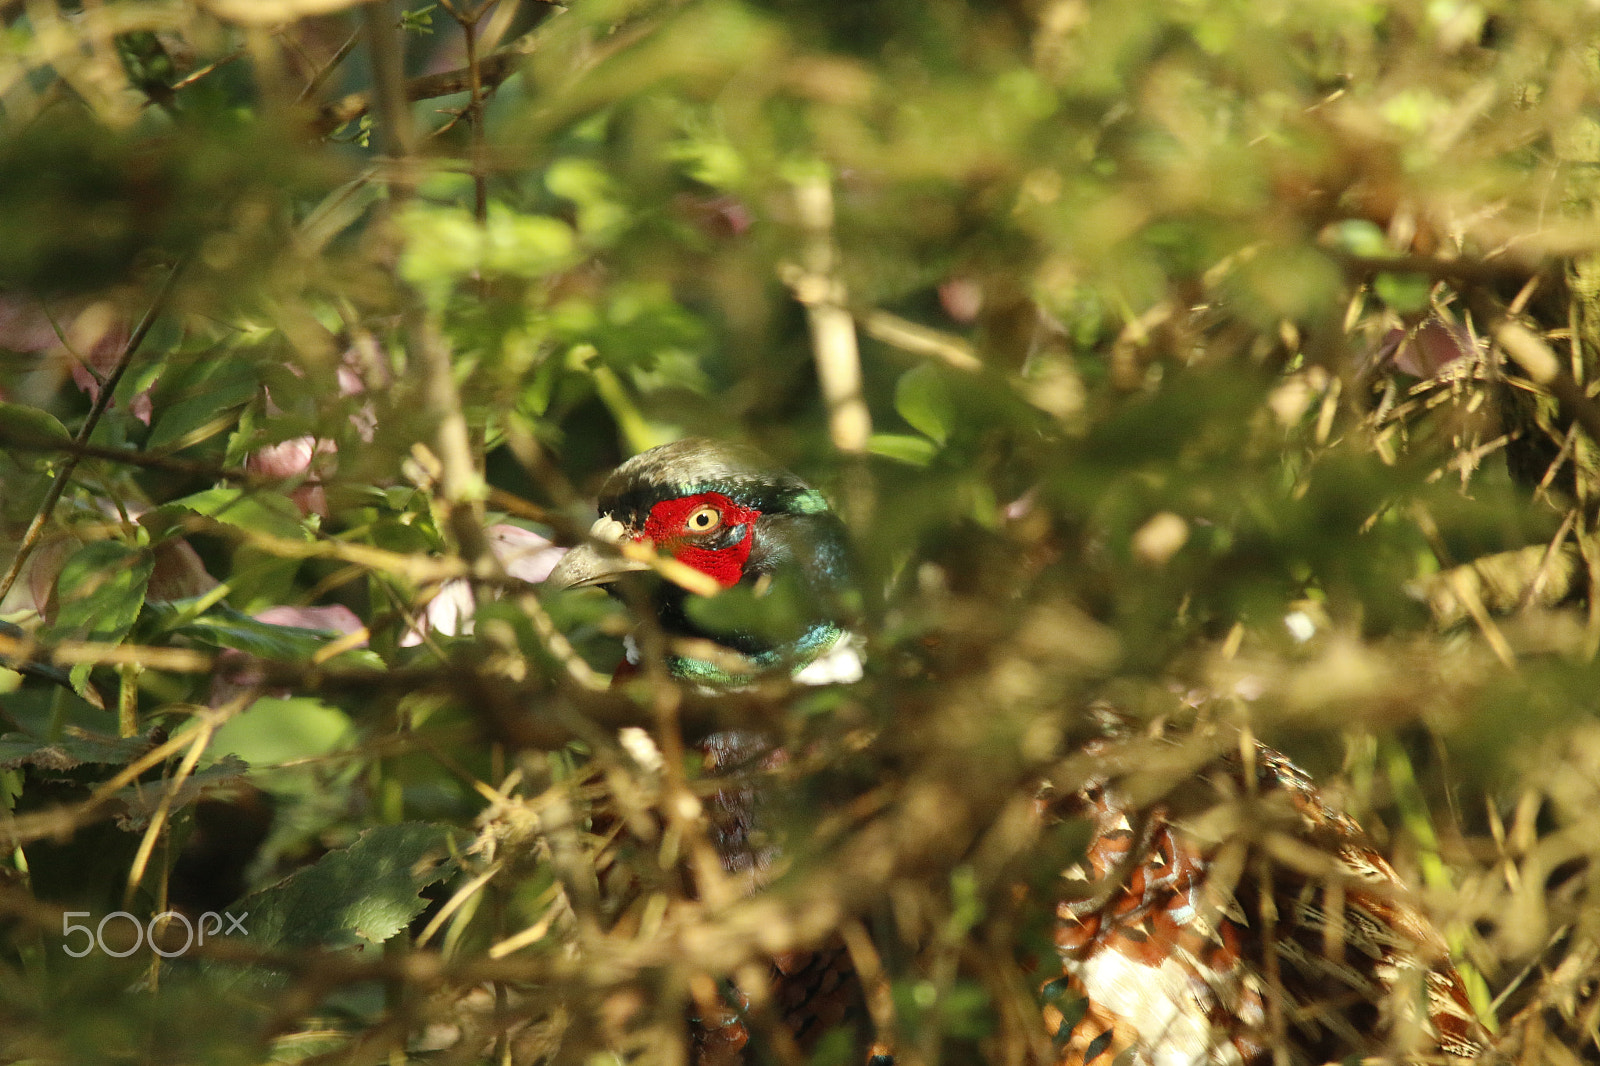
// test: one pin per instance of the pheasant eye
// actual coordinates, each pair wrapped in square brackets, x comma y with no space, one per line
[703,520]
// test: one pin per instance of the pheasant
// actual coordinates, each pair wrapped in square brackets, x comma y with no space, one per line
[1174,949]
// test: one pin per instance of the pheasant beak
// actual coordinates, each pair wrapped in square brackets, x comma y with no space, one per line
[596,563]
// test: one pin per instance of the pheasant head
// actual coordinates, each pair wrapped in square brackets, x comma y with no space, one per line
[759,533]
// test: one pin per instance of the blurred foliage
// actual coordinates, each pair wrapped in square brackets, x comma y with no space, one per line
[1206,346]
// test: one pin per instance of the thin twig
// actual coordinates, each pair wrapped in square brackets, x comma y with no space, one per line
[1541,364]
[492,70]
[421,569]
[580,672]
[461,485]
[320,77]
[63,820]
[16,651]
[199,739]
[209,68]
[480,185]
[917,339]
[455,903]
[161,459]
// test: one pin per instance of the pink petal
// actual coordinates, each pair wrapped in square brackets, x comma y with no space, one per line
[523,553]
[334,617]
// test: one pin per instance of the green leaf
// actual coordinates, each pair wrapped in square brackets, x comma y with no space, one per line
[222,626]
[528,246]
[141,801]
[257,512]
[1358,236]
[923,399]
[29,425]
[711,160]
[190,413]
[901,447]
[1405,293]
[446,244]
[69,751]
[101,589]
[275,731]
[367,892]
[586,184]
[443,245]
[419,20]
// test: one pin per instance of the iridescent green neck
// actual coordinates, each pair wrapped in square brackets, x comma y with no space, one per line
[794,658]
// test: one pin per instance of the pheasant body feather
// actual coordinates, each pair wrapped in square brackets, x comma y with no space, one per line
[1289,940]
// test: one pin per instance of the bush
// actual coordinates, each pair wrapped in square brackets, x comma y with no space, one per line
[1229,363]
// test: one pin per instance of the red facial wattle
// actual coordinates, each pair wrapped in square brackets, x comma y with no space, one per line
[667,530]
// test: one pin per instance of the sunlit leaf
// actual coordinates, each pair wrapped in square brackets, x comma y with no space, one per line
[923,399]
[1406,293]
[360,895]
[248,510]
[917,451]
[274,731]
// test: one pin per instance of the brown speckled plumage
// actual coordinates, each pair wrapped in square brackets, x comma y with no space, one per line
[1289,940]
